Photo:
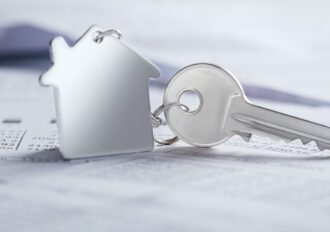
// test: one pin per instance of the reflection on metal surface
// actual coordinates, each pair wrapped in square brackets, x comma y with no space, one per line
[102,97]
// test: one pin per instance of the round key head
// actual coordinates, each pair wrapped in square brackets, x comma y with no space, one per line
[213,87]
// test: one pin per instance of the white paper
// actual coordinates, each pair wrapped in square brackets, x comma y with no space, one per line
[234,187]
[262,185]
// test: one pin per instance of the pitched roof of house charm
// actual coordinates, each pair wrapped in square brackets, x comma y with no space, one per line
[101,95]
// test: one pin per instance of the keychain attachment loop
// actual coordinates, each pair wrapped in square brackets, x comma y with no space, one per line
[157,121]
[101,34]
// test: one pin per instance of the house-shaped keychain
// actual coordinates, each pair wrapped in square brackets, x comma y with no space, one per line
[101,95]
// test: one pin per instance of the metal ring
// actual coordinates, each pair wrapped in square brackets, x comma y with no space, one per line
[101,34]
[156,121]
[155,117]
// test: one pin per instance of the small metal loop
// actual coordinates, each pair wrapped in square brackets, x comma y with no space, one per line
[101,34]
[158,121]
[169,141]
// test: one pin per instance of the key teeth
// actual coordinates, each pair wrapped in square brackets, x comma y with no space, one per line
[245,136]
[305,141]
[288,140]
[320,146]
[246,139]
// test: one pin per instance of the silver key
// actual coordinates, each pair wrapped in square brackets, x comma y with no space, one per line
[225,111]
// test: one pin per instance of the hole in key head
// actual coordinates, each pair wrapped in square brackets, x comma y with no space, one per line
[191,100]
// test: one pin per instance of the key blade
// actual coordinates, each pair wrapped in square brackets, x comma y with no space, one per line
[277,132]
[248,118]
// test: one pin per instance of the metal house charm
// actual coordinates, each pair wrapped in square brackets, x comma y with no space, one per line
[101,94]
